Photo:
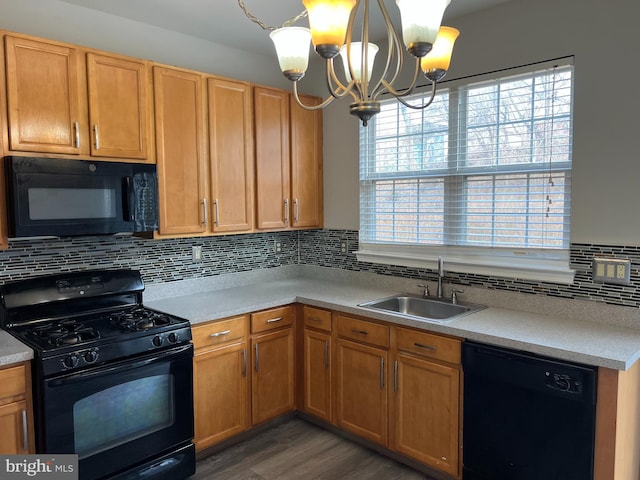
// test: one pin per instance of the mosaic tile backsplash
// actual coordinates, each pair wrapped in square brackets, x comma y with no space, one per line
[170,260]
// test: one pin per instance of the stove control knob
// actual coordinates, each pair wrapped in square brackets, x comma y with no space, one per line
[173,338]
[70,361]
[157,341]
[91,356]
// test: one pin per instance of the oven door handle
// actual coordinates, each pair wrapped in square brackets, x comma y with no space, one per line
[119,366]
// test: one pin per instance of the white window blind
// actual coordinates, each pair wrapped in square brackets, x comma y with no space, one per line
[483,173]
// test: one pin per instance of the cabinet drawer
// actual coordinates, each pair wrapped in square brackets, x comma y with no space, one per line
[13,382]
[363,331]
[272,319]
[219,333]
[428,345]
[317,318]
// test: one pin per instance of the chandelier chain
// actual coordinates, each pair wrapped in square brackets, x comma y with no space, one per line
[262,25]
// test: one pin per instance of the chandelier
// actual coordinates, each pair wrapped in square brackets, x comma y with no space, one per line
[332,24]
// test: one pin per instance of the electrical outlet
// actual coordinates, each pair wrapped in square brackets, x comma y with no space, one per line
[344,246]
[612,270]
[277,246]
[196,253]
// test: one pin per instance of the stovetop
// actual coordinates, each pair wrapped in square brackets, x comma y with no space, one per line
[79,320]
[95,329]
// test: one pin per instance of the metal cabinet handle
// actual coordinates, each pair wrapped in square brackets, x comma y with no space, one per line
[395,376]
[381,373]
[215,212]
[286,211]
[326,354]
[25,432]
[95,132]
[314,319]
[220,334]
[295,211]
[274,320]
[76,127]
[361,332]
[257,356]
[244,362]
[204,212]
[433,348]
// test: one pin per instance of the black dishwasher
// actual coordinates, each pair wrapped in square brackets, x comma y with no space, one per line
[526,417]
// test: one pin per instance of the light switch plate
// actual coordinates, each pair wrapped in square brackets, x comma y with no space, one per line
[612,270]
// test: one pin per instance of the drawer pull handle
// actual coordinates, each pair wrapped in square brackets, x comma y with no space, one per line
[274,320]
[428,347]
[361,332]
[314,319]
[220,334]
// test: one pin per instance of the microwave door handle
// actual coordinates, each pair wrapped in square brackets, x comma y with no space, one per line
[129,199]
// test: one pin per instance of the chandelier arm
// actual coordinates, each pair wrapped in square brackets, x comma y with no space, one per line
[393,39]
[324,103]
[410,88]
[341,90]
[355,87]
[419,107]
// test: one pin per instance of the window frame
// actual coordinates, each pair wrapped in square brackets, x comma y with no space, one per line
[526,263]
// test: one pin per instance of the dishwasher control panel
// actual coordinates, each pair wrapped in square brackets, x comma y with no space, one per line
[563,382]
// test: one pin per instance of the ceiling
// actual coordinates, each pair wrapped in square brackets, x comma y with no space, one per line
[223,22]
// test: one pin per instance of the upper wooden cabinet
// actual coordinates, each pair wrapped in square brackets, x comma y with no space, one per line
[271,114]
[231,172]
[118,107]
[288,161]
[46,111]
[180,150]
[306,164]
[55,106]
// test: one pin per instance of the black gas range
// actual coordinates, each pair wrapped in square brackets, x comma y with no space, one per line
[112,378]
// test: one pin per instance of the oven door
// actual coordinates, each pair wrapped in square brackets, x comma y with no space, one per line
[118,415]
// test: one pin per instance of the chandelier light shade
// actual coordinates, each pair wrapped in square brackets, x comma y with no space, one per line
[292,47]
[420,23]
[436,63]
[353,58]
[332,24]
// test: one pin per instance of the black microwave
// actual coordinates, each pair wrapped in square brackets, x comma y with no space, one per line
[61,197]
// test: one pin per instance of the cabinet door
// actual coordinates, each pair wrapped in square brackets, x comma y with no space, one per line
[14,428]
[361,379]
[317,374]
[220,388]
[43,97]
[231,155]
[118,109]
[306,164]
[272,382]
[425,412]
[271,112]
[181,153]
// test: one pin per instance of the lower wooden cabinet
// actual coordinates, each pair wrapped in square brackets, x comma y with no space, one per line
[272,379]
[15,411]
[220,380]
[361,388]
[317,374]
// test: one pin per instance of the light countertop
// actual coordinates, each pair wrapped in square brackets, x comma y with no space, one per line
[585,341]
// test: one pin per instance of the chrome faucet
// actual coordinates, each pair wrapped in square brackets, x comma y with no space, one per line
[440,275]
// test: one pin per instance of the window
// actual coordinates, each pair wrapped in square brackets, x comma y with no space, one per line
[481,177]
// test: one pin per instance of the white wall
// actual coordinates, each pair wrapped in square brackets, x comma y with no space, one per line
[603,37]
[601,34]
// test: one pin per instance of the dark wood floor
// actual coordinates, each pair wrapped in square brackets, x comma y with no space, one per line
[297,450]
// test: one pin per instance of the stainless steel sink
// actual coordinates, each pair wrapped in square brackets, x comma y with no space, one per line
[422,308]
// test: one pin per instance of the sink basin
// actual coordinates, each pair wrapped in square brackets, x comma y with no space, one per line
[422,308]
